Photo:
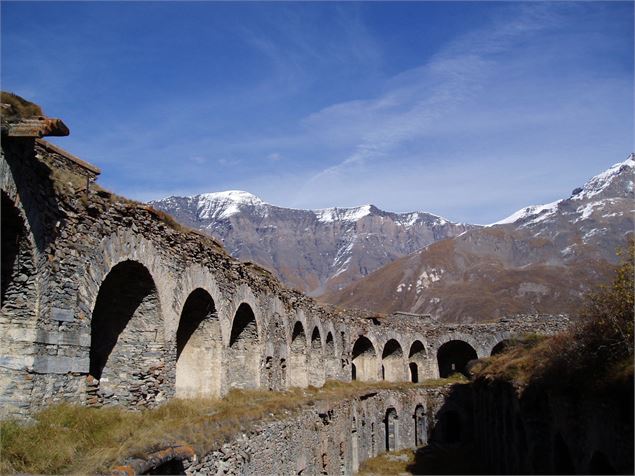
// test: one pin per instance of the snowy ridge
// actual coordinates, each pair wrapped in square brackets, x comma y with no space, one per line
[595,186]
[222,205]
[327,215]
[600,182]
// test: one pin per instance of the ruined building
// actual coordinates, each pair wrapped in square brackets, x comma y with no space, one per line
[108,301]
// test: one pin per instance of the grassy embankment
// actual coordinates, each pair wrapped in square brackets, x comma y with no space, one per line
[596,354]
[74,439]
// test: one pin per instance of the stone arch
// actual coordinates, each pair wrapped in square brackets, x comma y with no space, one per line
[501,346]
[198,347]
[453,357]
[391,429]
[421,426]
[364,356]
[416,361]
[126,348]
[393,362]
[17,282]
[316,369]
[330,357]
[243,353]
[297,375]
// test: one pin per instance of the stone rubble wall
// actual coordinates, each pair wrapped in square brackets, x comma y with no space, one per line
[329,438]
[78,239]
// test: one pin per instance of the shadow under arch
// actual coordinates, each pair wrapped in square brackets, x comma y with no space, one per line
[126,330]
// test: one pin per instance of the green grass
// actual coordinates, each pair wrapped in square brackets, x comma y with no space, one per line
[68,438]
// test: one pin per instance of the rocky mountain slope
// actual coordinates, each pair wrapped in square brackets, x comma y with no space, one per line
[540,259]
[312,250]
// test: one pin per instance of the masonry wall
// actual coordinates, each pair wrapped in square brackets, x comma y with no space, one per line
[330,438]
[97,305]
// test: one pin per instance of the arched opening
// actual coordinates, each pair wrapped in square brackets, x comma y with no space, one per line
[126,344]
[353,372]
[416,359]
[298,358]
[331,360]
[421,426]
[243,355]
[393,362]
[198,347]
[451,427]
[600,464]
[365,359]
[316,360]
[391,429]
[453,357]
[414,372]
[502,346]
[17,265]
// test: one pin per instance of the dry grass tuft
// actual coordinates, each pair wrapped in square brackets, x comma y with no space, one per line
[392,463]
[19,108]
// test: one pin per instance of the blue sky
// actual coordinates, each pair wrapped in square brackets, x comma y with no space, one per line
[469,110]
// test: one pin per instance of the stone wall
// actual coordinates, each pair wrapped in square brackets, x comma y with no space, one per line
[329,438]
[110,302]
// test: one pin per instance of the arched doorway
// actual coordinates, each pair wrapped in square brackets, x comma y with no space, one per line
[391,429]
[126,341]
[316,360]
[198,348]
[502,346]
[562,462]
[453,357]
[297,357]
[243,354]
[416,360]
[421,426]
[393,362]
[364,359]
[17,264]
[331,360]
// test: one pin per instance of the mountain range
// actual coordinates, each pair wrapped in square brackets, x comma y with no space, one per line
[315,251]
[543,258]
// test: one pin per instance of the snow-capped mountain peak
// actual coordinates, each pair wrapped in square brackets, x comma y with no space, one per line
[620,176]
[222,205]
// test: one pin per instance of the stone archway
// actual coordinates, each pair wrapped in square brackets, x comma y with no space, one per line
[453,357]
[17,260]
[198,348]
[417,361]
[297,374]
[316,360]
[391,430]
[331,360]
[126,348]
[393,362]
[243,354]
[364,356]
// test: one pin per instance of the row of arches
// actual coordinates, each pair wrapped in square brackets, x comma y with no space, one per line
[126,344]
[452,357]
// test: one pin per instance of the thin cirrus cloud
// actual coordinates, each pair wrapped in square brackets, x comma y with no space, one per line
[486,103]
[515,107]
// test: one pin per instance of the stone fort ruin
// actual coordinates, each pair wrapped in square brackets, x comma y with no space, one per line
[108,301]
